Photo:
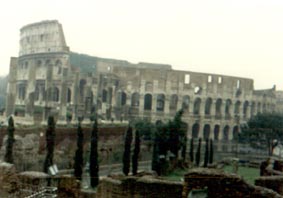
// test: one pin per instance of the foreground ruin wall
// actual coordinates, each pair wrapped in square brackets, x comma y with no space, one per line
[219,184]
[146,186]
[29,147]
[272,182]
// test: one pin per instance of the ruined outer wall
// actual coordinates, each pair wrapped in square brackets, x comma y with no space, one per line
[44,74]
[210,100]
[221,184]
[11,87]
[42,37]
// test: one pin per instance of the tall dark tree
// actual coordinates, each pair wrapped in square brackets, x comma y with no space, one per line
[198,152]
[93,164]
[262,130]
[10,141]
[127,151]
[135,157]
[211,152]
[206,154]
[177,133]
[155,164]
[184,149]
[78,166]
[192,150]
[50,143]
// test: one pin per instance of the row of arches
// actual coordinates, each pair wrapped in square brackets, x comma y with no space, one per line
[214,132]
[219,107]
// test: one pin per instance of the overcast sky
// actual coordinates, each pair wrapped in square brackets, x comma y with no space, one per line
[238,38]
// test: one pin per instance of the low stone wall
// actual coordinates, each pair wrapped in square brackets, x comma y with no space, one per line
[272,182]
[144,186]
[219,184]
[9,180]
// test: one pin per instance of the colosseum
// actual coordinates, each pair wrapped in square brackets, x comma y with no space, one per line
[47,78]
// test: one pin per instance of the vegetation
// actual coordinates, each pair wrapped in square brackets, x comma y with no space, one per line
[155,164]
[135,157]
[93,164]
[127,151]
[211,152]
[263,131]
[170,136]
[249,174]
[50,143]
[206,154]
[192,150]
[198,152]
[10,141]
[78,165]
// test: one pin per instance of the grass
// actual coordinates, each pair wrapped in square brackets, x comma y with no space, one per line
[247,173]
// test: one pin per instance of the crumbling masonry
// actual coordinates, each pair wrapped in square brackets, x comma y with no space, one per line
[47,78]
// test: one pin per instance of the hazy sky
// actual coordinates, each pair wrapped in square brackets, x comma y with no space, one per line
[231,37]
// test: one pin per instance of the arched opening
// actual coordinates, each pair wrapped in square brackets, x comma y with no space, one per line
[123,98]
[237,108]
[173,102]
[235,132]
[216,132]
[53,94]
[36,93]
[160,102]
[252,108]
[135,101]
[227,108]
[195,130]
[218,107]
[147,101]
[186,102]
[208,104]
[82,88]
[104,95]
[226,133]
[264,108]
[197,106]
[245,109]
[69,95]
[206,131]
[258,107]
[22,92]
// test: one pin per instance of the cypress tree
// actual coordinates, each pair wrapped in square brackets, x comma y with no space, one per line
[184,149]
[93,164]
[10,141]
[198,152]
[155,166]
[78,166]
[192,150]
[211,152]
[136,153]
[206,154]
[50,143]
[127,151]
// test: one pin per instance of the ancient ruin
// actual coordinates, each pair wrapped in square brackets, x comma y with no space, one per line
[48,78]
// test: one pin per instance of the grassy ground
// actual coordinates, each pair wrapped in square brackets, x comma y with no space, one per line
[247,173]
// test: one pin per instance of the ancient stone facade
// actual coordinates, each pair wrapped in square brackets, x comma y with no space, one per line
[47,78]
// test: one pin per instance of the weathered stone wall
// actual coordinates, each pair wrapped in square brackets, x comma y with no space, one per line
[272,182]
[146,186]
[48,83]
[9,180]
[220,184]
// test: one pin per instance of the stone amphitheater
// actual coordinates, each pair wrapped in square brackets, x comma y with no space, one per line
[48,78]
